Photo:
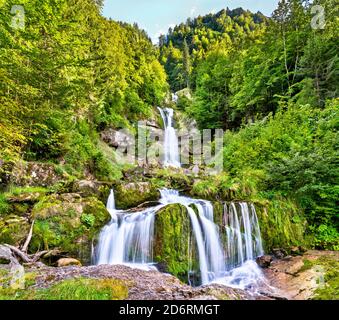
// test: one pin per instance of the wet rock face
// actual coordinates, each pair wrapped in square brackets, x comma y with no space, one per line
[264,261]
[31,174]
[68,222]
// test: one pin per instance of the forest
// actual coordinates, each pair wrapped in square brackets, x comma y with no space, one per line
[273,85]
[70,74]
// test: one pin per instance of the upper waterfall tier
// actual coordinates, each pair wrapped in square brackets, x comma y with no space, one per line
[171,144]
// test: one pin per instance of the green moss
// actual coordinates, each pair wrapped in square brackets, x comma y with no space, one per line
[224,188]
[88,220]
[13,229]
[74,289]
[133,194]
[16,191]
[4,205]
[44,204]
[20,209]
[68,223]
[172,240]
[4,277]
[103,192]
[30,279]
[307,265]
[330,289]
[173,179]
[281,223]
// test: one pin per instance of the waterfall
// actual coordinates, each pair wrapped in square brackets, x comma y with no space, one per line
[243,234]
[171,144]
[243,244]
[206,233]
[111,205]
[225,253]
[128,238]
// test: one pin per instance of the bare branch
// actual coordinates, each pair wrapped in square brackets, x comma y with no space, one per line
[29,237]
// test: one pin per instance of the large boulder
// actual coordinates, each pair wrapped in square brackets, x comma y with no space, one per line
[6,256]
[36,174]
[68,222]
[173,250]
[66,262]
[88,188]
[25,198]
[117,139]
[131,195]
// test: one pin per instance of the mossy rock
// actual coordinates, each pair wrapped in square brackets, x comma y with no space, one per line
[173,248]
[89,188]
[20,209]
[329,290]
[13,229]
[37,174]
[282,224]
[218,207]
[68,222]
[172,179]
[131,195]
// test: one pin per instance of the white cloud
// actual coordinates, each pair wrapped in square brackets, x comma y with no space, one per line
[193,11]
[160,32]
[155,38]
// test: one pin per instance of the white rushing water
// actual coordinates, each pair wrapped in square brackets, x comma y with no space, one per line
[226,254]
[171,144]
[128,239]
[243,234]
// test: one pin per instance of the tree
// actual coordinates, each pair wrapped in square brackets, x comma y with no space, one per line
[187,63]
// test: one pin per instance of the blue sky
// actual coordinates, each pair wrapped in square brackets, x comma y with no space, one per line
[156,16]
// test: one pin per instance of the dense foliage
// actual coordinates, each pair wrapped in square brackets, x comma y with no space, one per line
[272,83]
[202,35]
[244,75]
[67,75]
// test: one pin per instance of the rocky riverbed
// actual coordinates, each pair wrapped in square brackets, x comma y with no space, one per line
[294,278]
[315,274]
[141,284]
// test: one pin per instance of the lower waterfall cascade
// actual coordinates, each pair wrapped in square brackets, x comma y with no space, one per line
[129,237]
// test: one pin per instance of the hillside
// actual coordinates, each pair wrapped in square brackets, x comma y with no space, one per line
[99,167]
